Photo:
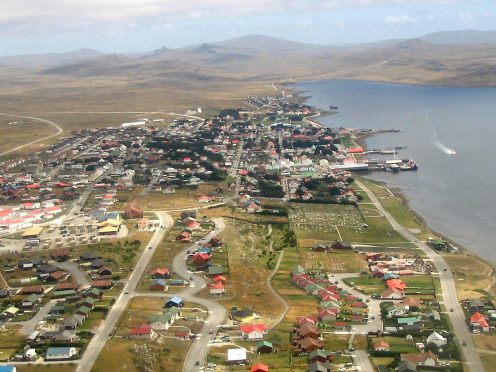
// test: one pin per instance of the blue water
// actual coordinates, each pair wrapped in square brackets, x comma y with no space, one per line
[455,194]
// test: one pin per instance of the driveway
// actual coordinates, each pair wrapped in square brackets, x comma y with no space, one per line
[76,272]
[29,326]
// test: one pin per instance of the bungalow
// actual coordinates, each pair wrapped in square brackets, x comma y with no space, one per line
[133,211]
[341,245]
[259,367]
[392,294]
[88,256]
[57,276]
[57,310]
[308,330]
[408,320]
[145,332]
[253,331]
[193,225]
[160,272]
[65,336]
[175,301]
[479,321]
[74,321]
[37,289]
[158,285]
[66,286]
[60,255]
[97,263]
[381,346]
[162,322]
[102,284]
[396,310]
[421,359]
[46,269]
[236,356]
[184,236]
[104,271]
[217,289]
[83,311]
[326,315]
[31,301]
[437,339]
[219,279]
[60,353]
[201,259]
[319,367]
[309,344]
[264,347]
[321,356]
[11,312]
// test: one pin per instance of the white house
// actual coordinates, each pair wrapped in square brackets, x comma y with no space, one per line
[253,331]
[236,356]
[436,338]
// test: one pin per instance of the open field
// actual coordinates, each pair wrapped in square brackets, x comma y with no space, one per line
[46,368]
[339,262]
[24,131]
[10,340]
[473,277]
[249,256]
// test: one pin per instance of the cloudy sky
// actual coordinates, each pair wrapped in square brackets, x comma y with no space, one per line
[37,26]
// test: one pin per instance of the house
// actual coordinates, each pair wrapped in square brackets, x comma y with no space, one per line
[73,321]
[65,336]
[321,356]
[413,303]
[264,347]
[83,311]
[31,301]
[133,211]
[217,289]
[4,293]
[308,330]
[11,312]
[421,359]
[341,245]
[60,255]
[381,346]
[253,331]
[219,279]
[319,367]
[60,353]
[392,294]
[408,320]
[160,272]
[102,284]
[437,339]
[479,321]
[406,366]
[201,259]
[396,310]
[145,332]
[309,344]
[259,367]
[163,321]
[236,356]
[104,271]
[184,236]
[175,301]
[36,289]
[475,304]
[158,285]
[97,263]
[66,287]
[327,315]
[88,256]
[56,276]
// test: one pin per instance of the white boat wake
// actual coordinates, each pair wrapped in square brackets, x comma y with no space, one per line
[435,137]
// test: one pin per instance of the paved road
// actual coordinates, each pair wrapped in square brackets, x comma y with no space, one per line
[216,312]
[59,130]
[450,299]
[101,335]
[362,361]
[29,326]
[373,325]
[78,274]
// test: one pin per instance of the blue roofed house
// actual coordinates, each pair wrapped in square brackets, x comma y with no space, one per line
[175,301]
[388,276]
[60,353]
[8,368]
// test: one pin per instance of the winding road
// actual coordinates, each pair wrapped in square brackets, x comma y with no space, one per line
[55,125]
[450,299]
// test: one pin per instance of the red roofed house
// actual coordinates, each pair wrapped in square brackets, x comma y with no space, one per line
[193,225]
[259,367]
[253,331]
[160,272]
[381,346]
[396,284]
[37,289]
[102,284]
[201,259]
[145,332]
[219,279]
[204,199]
[132,211]
[477,320]
[217,288]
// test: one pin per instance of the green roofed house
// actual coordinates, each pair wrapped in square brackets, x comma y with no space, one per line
[319,367]
[161,322]
[409,321]
[328,304]
[318,355]
[215,270]
[298,270]
[264,347]
[83,310]
[66,293]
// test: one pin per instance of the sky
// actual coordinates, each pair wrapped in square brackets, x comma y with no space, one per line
[119,26]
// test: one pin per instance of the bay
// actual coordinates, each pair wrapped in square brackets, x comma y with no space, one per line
[455,193]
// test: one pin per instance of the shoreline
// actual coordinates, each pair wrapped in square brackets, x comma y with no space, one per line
[397,191]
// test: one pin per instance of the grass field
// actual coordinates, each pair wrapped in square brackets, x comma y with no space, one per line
[339,262]
[46,368]
[24,131]
[473,277]
[10,340]
[248,255]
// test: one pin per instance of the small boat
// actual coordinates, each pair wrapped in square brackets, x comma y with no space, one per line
[333,107]
[410,165]
[451,152]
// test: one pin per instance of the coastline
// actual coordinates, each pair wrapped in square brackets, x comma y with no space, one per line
[397,191]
